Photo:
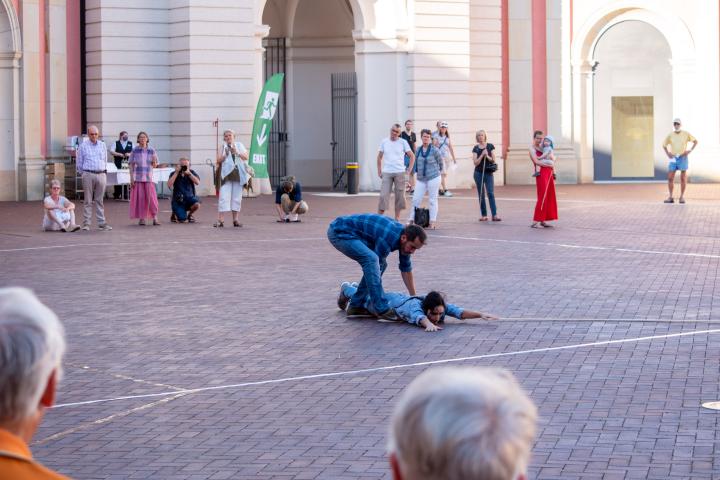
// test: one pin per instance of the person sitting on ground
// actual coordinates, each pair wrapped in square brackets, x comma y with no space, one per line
[288,201]
[59,211]
[184,201]
[462,423]
[32,344]
[427,311]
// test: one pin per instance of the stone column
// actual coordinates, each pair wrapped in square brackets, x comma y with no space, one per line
[31,164]
[582,74]
[57,82]
[379,65]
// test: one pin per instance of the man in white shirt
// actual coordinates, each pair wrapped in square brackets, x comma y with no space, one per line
[392,170]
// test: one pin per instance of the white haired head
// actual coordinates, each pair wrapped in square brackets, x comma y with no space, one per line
[462,424]
[32,344]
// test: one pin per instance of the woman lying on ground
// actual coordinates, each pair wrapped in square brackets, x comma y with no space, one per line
[427,311]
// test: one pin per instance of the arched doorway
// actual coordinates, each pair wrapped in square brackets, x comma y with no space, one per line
[632,102]
[311,40]
[9,56]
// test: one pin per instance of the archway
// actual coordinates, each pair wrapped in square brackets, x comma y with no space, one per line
[584,64]
[632,102]
[9,55]
[311,40]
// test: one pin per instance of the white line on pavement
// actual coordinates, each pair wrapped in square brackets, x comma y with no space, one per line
[390,367]
[584,247]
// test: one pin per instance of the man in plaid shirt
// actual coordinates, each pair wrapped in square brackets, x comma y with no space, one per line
[369,239]
[91,163]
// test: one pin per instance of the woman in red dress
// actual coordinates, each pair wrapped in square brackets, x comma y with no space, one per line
[546,206]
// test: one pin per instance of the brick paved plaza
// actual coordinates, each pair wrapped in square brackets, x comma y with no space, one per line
[157,310]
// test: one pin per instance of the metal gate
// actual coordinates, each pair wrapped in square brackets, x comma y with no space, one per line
[344,126]
[275,62]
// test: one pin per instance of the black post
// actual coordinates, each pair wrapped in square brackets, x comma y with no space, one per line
[352,177]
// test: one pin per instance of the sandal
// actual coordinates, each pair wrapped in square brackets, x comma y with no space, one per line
[173,218]
[141,222]
[219,224]
[535,225]
[190,219]
[155,222]
[237,224]
[546,225]
[496,219]
[483,219]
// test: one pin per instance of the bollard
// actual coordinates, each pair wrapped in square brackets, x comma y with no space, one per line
[352,177]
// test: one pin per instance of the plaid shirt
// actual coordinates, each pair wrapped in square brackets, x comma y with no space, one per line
[380,233]
[92,156]
[141,164]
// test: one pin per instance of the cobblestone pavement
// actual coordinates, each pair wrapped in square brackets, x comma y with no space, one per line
[159,310]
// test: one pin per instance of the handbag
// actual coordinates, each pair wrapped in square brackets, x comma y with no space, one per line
[490,167]
[422,217]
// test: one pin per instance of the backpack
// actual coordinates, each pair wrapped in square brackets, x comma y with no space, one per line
[422,217]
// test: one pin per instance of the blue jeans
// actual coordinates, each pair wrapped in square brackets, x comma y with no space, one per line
[489,188]
[369,293]
[180,209]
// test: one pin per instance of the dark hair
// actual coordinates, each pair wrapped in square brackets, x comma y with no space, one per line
[408,120]
[143,133]
[412,232]
[424,131]
[537,132]
[121,134]
[432,300]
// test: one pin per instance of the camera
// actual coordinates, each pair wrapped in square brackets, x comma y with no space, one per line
[183,168]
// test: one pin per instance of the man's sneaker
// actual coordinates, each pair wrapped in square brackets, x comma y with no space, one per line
[343,299]
[105,227]
[389,315]
[356,312]
[447,193]
[86,228]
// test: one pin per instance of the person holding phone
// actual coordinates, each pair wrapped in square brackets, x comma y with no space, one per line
[184,201]
[231,175]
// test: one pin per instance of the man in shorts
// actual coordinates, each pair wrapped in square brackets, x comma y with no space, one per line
[678,153]
[392,170]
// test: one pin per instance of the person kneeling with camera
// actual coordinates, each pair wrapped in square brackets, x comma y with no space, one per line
[184,201]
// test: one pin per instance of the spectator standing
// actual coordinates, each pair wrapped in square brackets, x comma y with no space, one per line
[546,204]
[462,424]
[143,197]
[231,175]
[120,150]
[59,211]
[184,202]
[32,345]
[678,153]
[429,168]
[485,164]
[442,142]
[409,136]
[91,164]
[392,170]
[289,202]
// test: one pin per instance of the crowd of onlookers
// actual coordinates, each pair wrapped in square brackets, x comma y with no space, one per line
[449,423]
[232,174]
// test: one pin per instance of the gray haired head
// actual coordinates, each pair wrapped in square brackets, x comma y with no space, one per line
[463,424]
[32,344]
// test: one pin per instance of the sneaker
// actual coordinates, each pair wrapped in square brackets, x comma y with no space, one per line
[447,193]
[86,228]
[669,200]
[105,227]
[74,228]
[389,315]
[343,300]
[356,312]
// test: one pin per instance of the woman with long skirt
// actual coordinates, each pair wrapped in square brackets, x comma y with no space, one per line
[143,197]
[546,205]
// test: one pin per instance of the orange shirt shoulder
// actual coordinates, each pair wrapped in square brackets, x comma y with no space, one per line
[16,461]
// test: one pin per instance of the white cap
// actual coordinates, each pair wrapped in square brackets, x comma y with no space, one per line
[677,120]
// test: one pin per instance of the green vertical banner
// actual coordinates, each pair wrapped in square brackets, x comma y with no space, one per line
[264,114]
